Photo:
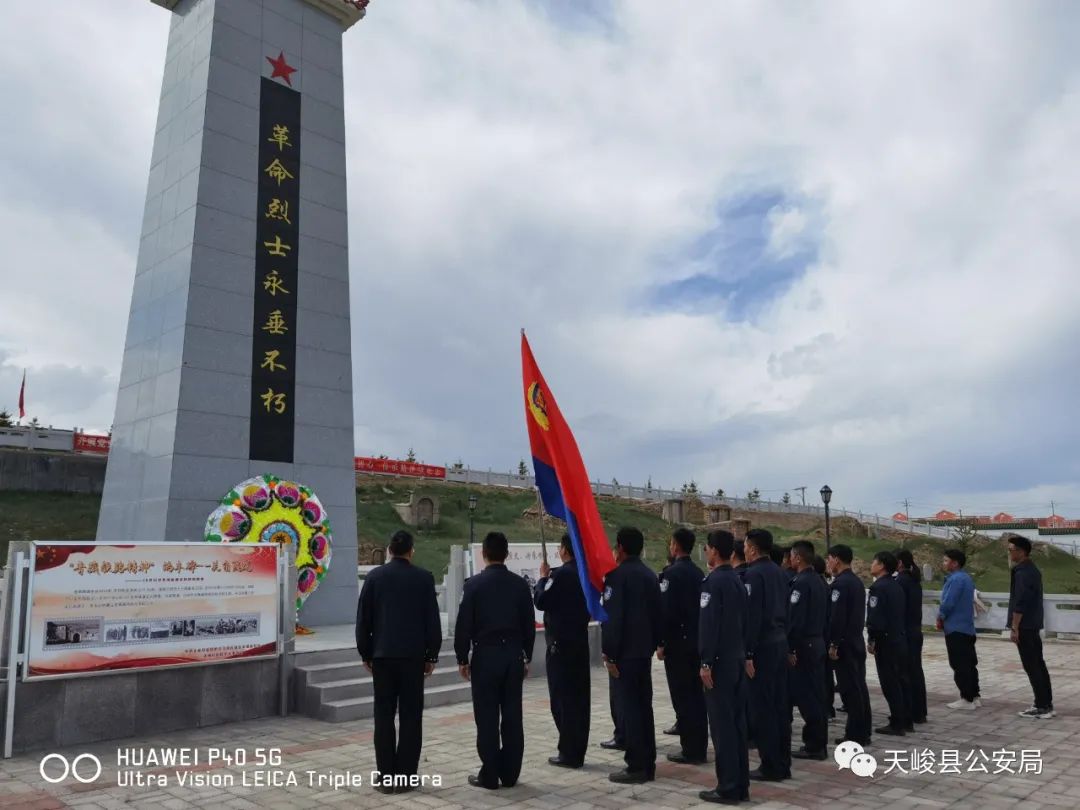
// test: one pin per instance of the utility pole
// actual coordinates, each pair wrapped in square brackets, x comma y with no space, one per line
[907,510]
[802,493]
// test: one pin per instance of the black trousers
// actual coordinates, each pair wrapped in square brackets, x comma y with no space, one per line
[633,699]
[568,689]
[399,690]
[891,660]
[806,688]
[1030,647]
[726,706]
[683,671]
[850,669]
[497,676]
[965,664]
[769,708]
[619,735]
[916,677]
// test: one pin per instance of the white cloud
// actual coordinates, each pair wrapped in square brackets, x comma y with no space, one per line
[505,172]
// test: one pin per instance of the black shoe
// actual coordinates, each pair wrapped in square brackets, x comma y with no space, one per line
[802,753]
[909,727]
[387,789]
[404,788]
[841,740]
[625,777]
[718,798]
[891,731]
[759,775]
[919,721]
[474,780]
[559,762]
[674,730]
[613,745]
[682,759]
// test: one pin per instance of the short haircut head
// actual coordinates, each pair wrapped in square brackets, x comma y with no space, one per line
[1021,543]
[740,550]
[804,550]
[630,540]
[684,539]
[842,553]
[724,543]
[819,565]
[905,557]
[401,543]
[887,559]
[567,544]
[761,539]
[496,547]
[957,556]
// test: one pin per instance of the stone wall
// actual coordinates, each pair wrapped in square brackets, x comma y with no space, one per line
[30,471]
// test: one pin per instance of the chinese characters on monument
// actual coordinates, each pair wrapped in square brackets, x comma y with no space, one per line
[273,360]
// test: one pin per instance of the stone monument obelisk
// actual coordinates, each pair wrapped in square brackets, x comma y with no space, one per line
[237,360]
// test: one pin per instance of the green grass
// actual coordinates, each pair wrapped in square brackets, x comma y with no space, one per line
[56,516]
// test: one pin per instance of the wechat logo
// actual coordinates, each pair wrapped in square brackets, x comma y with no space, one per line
[851,755]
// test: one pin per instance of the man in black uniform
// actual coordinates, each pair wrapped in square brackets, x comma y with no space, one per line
[680,593]
[766,657]
[738,561]
[398,636]
[566,621]
[910,581]
[806,650]
[497,625]
[888,640]
[721,642]
[830,677]
[630,636]
[847,651]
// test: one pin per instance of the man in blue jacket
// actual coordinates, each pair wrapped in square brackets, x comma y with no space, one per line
[1025,621]
[956,616]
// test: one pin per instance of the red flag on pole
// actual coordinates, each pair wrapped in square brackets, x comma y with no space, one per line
[22,396]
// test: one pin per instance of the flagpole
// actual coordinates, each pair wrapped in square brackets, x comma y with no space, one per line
[540,512]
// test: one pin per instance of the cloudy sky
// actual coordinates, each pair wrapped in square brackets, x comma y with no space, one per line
[754,244]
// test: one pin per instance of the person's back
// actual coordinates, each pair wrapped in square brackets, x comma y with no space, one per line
[398,636]
[493,641]
[957,608]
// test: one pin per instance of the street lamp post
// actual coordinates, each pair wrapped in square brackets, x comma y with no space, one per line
[826,496]
[472,514]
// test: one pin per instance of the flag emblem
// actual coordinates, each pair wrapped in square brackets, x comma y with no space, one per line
[537,407]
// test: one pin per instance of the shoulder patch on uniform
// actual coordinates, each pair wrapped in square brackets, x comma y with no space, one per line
[873,601]
[836,596]
[664,584]
[607,593]
[795,597]
[705,597]
[748,587]
[548,583]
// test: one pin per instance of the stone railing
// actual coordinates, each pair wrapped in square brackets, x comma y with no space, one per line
[1061,613]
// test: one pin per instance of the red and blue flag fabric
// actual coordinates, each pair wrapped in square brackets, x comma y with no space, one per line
[563,483]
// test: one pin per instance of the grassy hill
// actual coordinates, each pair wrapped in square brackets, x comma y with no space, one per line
[49,516]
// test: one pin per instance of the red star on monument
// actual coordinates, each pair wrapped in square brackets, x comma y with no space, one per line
[282,69]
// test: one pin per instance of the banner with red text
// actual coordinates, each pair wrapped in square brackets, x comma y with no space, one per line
[85,443]
[391,466]
[103,607]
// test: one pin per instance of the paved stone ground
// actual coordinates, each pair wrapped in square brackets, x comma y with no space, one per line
[449,750]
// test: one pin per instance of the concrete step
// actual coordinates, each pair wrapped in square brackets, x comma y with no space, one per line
[349,668]
[344,710]
[325,691]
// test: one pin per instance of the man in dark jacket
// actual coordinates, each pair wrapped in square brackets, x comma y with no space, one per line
[566,622]
[398,636]
[721,642]
[888,641]
[847,651]
[680,592]
[806,650]
[629,637]
[1025,620]
[910,581]
[766,657]
[497,626]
